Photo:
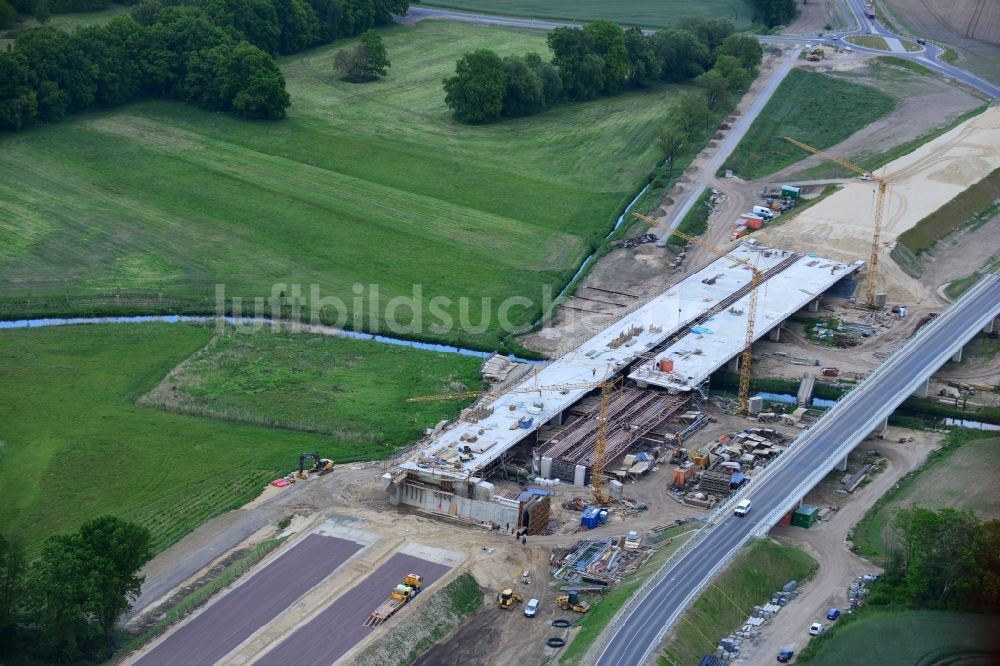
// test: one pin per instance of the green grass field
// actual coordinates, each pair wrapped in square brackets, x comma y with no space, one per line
[651,13]
[869,41]
[73,444]
[754,575]
[959,475]
[368,184]
[354,390]
[928,638]
[817,109]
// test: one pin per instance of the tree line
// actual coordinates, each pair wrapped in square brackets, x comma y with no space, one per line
[944,560]
[215,54]
[602,58]
[64,606]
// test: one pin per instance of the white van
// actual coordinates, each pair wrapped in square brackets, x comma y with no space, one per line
[743,508]
[763,211]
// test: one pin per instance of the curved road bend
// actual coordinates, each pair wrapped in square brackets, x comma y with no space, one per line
[643,629]
[928,57]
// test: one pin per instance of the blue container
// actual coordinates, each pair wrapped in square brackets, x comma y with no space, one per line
[525,422]
[590,517]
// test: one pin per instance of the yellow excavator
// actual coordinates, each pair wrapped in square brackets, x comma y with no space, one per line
[320,466]
[507,598]
[573,602]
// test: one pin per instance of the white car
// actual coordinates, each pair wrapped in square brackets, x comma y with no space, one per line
[743,508]
[816,628]
[531,608]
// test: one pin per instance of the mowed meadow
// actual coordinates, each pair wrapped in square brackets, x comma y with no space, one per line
[75,445]
[362,183]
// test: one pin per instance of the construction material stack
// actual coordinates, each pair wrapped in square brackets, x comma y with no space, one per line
[399,597]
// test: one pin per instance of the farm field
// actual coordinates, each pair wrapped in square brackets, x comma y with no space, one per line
[815,108]
[971,26]
[156,203]
[960,476]
[651,13]
[911,637]
[74,445]
[355,390]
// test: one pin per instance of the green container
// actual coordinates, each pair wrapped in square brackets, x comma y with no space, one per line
[805,516]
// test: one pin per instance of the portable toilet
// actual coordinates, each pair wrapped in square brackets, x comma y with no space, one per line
[602,517]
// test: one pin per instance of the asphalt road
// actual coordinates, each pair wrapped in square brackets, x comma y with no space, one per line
[929,57]
[340,626]
[643,629]
[237,615]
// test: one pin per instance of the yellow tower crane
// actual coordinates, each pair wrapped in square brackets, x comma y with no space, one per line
[597,470]
[883,186]
[755,281]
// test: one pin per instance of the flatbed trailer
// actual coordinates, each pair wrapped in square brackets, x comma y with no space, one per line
[399,597]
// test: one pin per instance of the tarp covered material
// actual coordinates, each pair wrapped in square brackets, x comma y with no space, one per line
[279,483]
[701,329]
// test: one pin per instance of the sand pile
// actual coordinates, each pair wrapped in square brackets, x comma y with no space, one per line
[921,182]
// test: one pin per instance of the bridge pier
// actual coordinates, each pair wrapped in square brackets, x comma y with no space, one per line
[813,306]
[843,465]
[989,327]
[774,335]
[882,427]
[734,364]
[922,390]
[557,420]
[957,356]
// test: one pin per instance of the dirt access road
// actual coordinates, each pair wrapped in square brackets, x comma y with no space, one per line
[825,541]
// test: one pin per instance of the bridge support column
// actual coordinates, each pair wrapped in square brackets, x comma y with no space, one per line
[922,390]
[557,420]
[843,465]
[734,364]
[813,306]
[989,327]
[774,335]
[882,427]
[957,356]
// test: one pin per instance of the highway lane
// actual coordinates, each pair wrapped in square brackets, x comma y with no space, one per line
[643,629]
[340,626]
[236,615]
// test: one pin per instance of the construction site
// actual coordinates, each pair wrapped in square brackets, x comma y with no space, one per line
[565,478]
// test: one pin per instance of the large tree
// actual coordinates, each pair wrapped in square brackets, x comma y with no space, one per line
[476,92]
[365,62]
[670,140]
[774,12]
[715,87]
[745,48]
[681,55]
[12,588]
[643,65]
[711,31]
[525,94]
[84,581]
[607,41]
[18,98]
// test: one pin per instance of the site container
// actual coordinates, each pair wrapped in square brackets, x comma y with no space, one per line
[666,365]
[754,222]
[805,516]
[786,519]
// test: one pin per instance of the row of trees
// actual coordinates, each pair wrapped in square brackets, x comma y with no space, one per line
[601,59]
[216,54]
[64,606]
[945,559]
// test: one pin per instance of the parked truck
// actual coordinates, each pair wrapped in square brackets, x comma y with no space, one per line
[400,596]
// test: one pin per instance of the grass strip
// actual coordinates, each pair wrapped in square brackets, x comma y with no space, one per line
[971,207]
[755,574]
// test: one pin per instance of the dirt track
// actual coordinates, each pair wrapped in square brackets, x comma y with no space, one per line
[825,542]
[212,634]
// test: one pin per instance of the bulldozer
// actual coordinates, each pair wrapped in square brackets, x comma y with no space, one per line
[320,466]
[572,602]
[507,598]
